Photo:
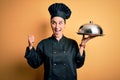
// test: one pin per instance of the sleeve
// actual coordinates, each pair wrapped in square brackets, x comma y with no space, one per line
[34,57]
[79,58]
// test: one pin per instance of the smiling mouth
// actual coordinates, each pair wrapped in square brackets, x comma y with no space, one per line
[57,30]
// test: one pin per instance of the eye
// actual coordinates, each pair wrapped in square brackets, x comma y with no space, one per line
[60,22]
[52,22]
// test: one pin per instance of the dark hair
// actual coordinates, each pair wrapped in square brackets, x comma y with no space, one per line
[63,18]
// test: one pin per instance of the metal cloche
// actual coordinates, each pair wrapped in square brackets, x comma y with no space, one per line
[90,29]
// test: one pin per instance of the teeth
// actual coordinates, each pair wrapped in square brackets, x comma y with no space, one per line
[57,30]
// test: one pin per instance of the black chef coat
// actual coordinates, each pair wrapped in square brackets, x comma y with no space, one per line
[60,58]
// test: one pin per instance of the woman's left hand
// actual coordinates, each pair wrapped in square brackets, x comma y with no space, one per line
[86,39]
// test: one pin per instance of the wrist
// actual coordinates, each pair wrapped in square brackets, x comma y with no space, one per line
[30,47]
[81,45]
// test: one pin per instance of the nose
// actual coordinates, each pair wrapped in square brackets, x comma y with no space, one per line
[57,25]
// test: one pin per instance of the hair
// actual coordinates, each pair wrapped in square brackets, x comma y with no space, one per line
[61,17]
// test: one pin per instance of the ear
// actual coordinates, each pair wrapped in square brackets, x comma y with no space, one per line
[65,21]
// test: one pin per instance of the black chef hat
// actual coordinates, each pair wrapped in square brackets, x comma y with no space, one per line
[59,9]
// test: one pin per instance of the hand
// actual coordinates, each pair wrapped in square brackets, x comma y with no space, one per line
[31,40]
[86,39]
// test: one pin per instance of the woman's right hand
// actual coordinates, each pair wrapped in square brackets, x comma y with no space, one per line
[31,40]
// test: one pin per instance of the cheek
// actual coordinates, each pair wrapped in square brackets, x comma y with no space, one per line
[63,26]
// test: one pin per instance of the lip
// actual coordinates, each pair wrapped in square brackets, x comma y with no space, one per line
[56,31]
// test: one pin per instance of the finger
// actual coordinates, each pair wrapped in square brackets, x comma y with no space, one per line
[91,37]
[83,36]
[87,38]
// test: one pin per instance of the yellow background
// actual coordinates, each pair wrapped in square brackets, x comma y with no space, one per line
[18,18]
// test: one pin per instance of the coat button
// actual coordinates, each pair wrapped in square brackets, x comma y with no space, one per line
[54,52]
[54,64]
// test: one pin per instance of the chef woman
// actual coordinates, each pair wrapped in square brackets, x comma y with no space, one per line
[61,55]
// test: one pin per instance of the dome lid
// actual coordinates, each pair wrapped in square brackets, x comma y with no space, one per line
[90,29]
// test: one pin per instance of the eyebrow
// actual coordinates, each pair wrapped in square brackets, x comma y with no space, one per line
[64,21]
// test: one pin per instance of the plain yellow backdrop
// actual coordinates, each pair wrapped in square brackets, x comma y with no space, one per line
[18,18]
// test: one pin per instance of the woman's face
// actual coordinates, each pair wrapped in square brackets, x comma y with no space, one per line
[57,25]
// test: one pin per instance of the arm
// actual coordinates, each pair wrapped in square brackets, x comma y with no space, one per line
[80,57]
[34,57]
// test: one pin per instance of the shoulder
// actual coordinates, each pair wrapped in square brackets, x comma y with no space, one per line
[43,43]
[71,40]
[46,40]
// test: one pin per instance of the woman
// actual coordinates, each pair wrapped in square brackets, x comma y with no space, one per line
[60,55]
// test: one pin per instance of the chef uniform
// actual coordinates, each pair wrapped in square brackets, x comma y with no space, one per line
[61,58]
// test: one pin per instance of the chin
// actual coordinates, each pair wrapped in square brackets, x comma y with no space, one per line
[57,35]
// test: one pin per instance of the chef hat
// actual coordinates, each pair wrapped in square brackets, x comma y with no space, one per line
[59,9]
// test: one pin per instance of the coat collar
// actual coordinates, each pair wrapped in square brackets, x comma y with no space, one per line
[61,40]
